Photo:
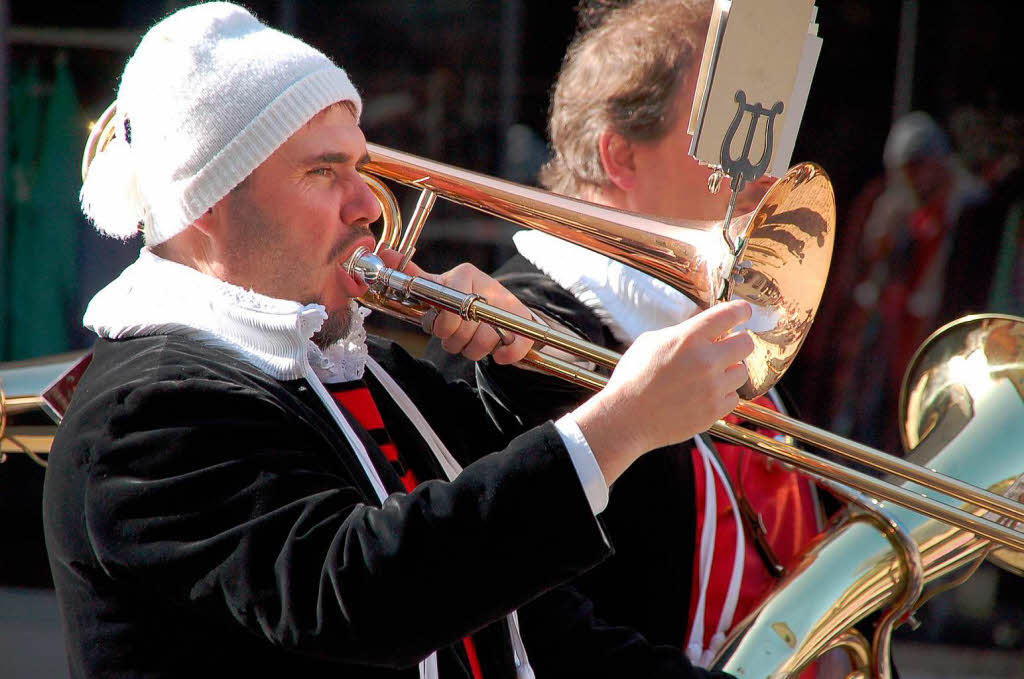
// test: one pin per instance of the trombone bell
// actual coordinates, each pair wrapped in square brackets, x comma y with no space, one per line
[782,268]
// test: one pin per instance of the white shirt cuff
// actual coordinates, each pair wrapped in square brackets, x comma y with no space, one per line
[585,463]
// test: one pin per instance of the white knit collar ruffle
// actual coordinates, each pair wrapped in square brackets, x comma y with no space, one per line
[155,296]
[628,301]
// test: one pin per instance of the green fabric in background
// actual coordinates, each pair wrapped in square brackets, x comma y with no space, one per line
[24,122]
[42,266]
[1005,296]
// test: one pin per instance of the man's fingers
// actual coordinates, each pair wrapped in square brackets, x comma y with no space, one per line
[504,299]
[457,332]
[446,325]
[728,402]
[735,377]
[735,347]
[392,259]
[471,339]
[454,344]
[483,342]
[513,352]
[720,319]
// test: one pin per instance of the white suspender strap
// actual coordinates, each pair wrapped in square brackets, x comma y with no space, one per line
[736,577]
[428,668]
[350,435]
[451,467]
[695,644]
[695,650]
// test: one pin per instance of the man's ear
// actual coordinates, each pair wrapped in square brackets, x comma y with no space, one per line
[617,159]
[209,223]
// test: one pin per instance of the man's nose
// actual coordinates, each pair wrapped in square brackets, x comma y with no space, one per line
[363,207]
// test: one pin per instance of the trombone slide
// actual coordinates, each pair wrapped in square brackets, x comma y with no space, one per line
[404,290]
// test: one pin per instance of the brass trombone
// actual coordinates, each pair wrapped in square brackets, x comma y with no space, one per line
[777,259]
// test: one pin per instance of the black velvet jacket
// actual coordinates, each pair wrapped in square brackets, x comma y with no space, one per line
[204,519]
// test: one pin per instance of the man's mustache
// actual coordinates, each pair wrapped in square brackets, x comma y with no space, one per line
[346,240]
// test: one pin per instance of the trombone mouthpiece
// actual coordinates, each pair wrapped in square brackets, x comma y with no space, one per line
[365,265]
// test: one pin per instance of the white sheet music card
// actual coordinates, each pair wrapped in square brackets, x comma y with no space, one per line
[759,55]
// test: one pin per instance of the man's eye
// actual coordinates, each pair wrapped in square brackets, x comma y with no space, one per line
[322,171]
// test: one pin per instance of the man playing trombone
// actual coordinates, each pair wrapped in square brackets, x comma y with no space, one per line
[246,484]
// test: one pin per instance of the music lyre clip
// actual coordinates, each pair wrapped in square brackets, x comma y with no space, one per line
[741,169]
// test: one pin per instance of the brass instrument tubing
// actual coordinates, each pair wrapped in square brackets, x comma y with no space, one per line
[14,405]
[21,447]
[952,583]
[871,485]
[876,459]
[567,370]
[856,646]
[389,208]
[857,650]
[373,272]
[100,134]
[913,585]
[411,235]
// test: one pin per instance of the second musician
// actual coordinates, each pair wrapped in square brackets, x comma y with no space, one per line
[701,530]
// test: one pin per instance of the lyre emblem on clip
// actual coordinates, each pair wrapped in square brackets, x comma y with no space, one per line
[741,169]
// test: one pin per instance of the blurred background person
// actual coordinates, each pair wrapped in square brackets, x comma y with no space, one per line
[701,530]
[902,289]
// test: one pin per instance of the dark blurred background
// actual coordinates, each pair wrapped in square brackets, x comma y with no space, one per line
[467,82]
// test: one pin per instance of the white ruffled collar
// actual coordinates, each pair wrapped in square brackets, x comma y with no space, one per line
[155,296]
[628,301]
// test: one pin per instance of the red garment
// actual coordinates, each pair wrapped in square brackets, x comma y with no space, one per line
[355,398]
[787,503]
[908,330]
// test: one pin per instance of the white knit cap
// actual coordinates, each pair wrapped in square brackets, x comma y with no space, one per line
[208,95]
